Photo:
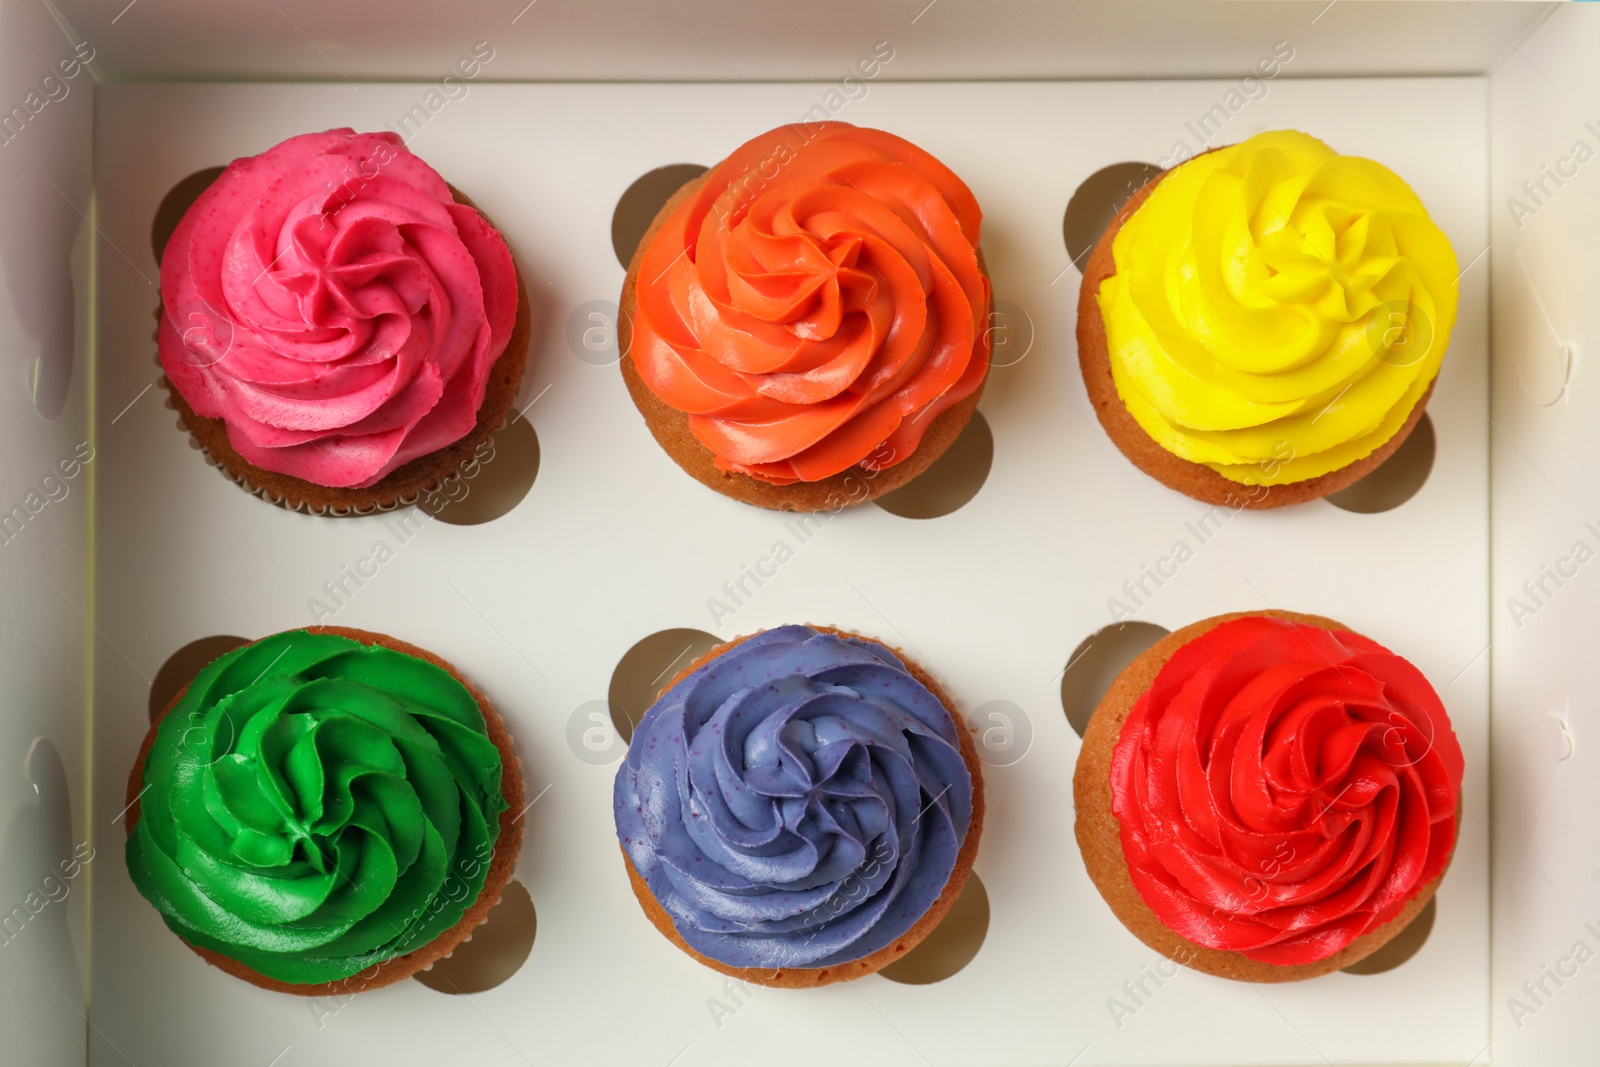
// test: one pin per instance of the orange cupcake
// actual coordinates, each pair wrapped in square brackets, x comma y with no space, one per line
[805,325]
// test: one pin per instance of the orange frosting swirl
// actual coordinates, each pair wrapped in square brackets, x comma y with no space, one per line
[816,303]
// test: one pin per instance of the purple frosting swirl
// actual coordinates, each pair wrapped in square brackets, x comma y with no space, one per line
[799,801]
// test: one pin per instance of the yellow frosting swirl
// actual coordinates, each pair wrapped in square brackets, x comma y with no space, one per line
[1277,309]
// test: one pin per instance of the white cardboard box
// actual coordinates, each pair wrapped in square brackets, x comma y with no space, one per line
[149,548]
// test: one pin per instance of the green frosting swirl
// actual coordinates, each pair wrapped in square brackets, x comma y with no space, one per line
[314,806]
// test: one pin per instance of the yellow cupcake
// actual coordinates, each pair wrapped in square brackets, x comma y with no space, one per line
[1277,310]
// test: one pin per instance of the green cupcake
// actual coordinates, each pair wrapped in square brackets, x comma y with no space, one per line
[324,810]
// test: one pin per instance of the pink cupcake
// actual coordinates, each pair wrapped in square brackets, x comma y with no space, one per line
[341,329]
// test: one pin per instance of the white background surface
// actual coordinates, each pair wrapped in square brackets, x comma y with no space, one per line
[766,40]
[1546,674]
[614,542]
[45,584]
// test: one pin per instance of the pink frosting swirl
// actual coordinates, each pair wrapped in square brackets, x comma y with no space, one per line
[332,303]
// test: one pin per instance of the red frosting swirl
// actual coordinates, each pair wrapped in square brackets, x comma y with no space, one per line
[816,303]
[1283,789]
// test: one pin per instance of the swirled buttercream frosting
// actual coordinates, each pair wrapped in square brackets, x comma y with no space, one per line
[332,303]
[1277,309]
[798,801]
[1283,789]
[313,806]
[816,303]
